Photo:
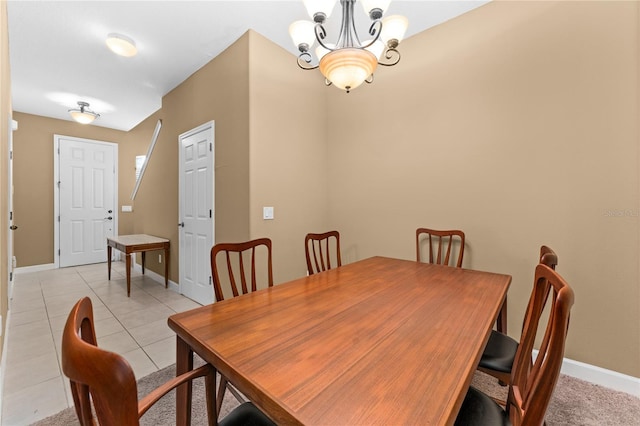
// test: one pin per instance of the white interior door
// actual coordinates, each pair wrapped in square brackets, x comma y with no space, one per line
[196,213]
[87,199]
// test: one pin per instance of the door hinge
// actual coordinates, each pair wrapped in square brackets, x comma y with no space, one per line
[210,280]
[58,252]
[58,218]
[10,215]
[10,155]
[11,276]
[210,147]
[210,214]
[58,184]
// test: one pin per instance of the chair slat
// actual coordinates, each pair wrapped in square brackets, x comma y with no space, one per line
[319,259]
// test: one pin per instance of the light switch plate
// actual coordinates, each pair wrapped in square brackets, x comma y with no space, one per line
[267,213]
[127,208]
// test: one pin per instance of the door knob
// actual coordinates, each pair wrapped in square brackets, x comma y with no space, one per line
[108,218]
[181,225]
[13,227]
[109,211]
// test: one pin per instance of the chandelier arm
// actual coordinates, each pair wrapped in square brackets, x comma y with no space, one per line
[375,30]
[321,33]
[390,57]
[327,82]
[304,61]
[369,79]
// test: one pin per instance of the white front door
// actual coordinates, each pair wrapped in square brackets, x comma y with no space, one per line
[196,213]
[87,179]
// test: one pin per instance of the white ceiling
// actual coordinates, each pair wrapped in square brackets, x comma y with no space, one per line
[58,53]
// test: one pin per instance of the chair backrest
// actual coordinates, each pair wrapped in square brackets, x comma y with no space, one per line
[532,384]
[104,375]
[236,267]
[441,243]
[548,257]
[317,248]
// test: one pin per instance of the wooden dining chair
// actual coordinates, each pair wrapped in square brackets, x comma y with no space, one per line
[236,255]
[107,379]
[532,382]
[440,245]
[441,251]
[500,352]
[236,267]
[318,251]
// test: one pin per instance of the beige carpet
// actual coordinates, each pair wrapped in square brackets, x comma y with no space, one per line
[575,402]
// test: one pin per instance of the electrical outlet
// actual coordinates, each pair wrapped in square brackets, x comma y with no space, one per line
[159,258]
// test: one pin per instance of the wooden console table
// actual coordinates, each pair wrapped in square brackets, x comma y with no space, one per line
[128,244]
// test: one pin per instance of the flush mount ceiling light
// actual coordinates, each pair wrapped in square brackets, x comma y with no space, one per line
[348,62]
[83,114]
[121,45]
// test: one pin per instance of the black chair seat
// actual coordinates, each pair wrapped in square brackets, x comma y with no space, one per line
[499,353]
[480,410]
[246,414]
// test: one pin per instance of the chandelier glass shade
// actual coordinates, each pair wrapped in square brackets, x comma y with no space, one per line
[349,67]
[348,62]
[83,114]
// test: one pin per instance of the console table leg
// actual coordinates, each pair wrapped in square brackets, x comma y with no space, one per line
[109,262]
[128,266]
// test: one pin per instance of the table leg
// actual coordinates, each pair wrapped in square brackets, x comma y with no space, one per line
[128,266]
[501,324]
[184,363]
[109,262]
[144,253]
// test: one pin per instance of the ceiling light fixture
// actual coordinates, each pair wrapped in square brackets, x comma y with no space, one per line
[121,45]
[349,62]
[83,114]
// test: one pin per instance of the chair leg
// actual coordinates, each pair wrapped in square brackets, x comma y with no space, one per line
[235,393]
[221,390]
[224,385]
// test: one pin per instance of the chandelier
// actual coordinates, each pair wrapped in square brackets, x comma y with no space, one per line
[348,62]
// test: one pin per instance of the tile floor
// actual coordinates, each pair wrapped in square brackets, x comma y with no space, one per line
[136,327]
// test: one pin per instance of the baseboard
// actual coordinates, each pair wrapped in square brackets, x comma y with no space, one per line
[156,277]
[34,268]
[600,376]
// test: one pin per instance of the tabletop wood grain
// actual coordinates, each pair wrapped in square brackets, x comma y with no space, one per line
[379,341]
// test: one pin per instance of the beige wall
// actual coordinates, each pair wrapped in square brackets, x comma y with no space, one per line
[517,123]
[33,181]
[218,91]
[268,152]
[288,154]
[5,126]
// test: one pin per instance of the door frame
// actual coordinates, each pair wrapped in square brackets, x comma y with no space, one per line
[200,128]
[10,237]
[56,191]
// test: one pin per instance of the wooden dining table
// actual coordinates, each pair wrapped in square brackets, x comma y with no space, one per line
[378,341]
